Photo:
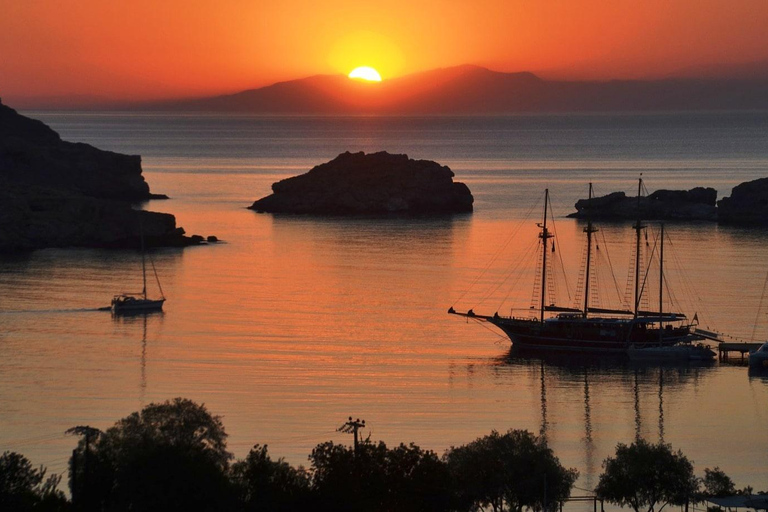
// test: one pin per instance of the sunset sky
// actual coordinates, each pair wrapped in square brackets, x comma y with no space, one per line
[149,49]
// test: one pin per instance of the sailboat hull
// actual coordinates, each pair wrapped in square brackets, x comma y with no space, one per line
[136,305]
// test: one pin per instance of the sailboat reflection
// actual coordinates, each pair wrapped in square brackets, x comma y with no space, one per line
[143,319]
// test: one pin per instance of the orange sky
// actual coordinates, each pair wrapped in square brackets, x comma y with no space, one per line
[152,49]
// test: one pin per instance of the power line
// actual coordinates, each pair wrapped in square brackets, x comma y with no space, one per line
[351,427]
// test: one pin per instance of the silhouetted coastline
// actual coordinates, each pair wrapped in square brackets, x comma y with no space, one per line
[746,205]
[55,193]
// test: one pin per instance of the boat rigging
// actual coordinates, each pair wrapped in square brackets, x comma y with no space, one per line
[585,328]
[127,303]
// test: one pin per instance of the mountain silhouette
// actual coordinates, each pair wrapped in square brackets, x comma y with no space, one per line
[465,90]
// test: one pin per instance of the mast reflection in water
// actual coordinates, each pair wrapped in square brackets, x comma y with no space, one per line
[610,394]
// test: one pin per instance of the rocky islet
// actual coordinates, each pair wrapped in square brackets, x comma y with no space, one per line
[374,183]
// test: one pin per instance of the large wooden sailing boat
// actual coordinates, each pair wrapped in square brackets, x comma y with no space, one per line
[587,328]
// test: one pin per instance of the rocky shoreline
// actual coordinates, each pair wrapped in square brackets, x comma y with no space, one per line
[55,193]
[374,183]
[747,205]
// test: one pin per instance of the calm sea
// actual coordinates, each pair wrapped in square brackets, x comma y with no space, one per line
[295,323]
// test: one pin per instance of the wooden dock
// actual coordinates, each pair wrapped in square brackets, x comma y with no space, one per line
[726,347]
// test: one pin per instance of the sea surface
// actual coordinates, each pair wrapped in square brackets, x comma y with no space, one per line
[295,323]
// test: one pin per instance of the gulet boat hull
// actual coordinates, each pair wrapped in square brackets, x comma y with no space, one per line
[603,336]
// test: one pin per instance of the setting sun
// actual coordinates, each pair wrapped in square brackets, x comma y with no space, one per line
[365,73]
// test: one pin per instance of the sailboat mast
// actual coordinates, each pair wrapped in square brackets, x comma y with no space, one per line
[544,237]
[588,230]
[638,227]
[143,263]
[661,286]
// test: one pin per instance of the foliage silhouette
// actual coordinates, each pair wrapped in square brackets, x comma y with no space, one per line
[262,484]
[644,475]
[24,488]
[170,456]
[377,478]
[717,484]
[512,471]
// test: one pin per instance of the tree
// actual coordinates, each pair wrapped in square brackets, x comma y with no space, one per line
[266,485]
[23,487]
[170,456]
[81,480]
[377,478]
[717,483]
[417,480]
[644,475]
[511,471]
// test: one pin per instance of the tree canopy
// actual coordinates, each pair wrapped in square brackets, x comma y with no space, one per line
[644,476]
[511,471]
[22,487]
[263,484]
[169,456]
[377,478]
[717,483]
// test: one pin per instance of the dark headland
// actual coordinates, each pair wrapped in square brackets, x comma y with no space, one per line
[55,193]
[747,205]
[375,183]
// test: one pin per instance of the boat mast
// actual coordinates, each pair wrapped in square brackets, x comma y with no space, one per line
[638,227]
[544,237]
[588,230]
[661,287]
[143,262]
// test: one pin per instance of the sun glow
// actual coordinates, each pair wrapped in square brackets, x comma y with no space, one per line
[365,73]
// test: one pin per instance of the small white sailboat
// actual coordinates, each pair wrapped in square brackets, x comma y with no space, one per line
[127,303]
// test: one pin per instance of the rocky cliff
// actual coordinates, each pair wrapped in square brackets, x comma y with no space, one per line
[376,183]
[55,193]
[32,153]
[748,204]
[695,204]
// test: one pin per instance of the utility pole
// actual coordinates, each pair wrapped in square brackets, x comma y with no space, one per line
[351,427]
[89,433]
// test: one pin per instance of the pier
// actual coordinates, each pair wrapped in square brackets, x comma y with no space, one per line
[724,348]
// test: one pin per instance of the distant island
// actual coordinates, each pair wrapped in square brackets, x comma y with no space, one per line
[55,193]
[474,90]
[375,183]
[747,205]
